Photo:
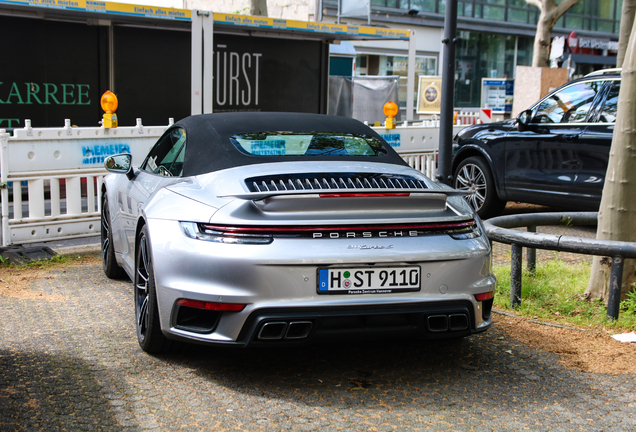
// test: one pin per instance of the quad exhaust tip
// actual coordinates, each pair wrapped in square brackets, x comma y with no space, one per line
[285,330]
[443,323]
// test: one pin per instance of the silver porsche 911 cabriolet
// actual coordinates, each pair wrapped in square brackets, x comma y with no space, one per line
[255,229]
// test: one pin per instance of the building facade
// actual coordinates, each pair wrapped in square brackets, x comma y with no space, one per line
[494,36]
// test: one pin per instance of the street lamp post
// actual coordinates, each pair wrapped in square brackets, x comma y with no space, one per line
[444,174]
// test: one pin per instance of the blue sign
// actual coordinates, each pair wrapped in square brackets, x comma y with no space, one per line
[96,154]
[392,139]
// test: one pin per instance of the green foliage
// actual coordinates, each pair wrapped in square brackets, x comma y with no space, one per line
[244,11]
[628,305]
[555,293]
[51,262]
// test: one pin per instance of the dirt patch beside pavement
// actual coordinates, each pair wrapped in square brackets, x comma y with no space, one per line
[15,281]
[588,351]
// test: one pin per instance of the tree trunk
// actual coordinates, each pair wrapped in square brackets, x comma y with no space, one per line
[549,14]
[258,7]
[627,22]
[617,214]
[542,40]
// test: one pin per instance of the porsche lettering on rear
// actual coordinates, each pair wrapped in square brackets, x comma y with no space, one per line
[365,234]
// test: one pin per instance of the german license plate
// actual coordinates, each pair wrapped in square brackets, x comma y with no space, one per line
[368,280]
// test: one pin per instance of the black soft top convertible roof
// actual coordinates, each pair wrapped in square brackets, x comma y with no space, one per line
[208,146]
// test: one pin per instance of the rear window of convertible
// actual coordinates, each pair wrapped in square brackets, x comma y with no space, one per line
[307,144]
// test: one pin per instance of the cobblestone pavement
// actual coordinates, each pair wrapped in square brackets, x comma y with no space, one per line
[75,365]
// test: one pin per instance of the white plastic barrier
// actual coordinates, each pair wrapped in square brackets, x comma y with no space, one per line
[63,170]
[417,144]
[466,118]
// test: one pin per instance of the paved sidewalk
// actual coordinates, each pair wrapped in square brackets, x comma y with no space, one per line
[75,365]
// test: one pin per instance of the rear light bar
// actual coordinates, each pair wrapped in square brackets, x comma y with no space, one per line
[299,230]
[485,296]
[213,306]
[265,235]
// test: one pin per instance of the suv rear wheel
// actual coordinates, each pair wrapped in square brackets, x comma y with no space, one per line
[474,175]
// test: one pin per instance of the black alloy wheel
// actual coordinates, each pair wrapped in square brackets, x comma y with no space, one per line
[149,334]
[109,263]
[473,175]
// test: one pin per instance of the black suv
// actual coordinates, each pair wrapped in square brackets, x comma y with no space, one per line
[554,153]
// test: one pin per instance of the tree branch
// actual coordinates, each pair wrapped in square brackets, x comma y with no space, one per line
[535,3]
[564,6]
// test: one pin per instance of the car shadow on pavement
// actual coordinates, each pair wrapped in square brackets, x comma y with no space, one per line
[39,391]
[486,372]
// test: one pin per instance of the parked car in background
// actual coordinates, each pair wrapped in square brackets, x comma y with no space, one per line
[279,228]
[553,154]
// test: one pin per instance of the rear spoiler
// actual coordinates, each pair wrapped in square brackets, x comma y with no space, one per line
[257,196]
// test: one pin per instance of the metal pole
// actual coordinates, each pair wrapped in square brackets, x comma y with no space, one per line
[515,276]
[208,63]
[616,282]
[444,174]
[196,72]
[410,77]
[531,259]
[4,187]
[111,58]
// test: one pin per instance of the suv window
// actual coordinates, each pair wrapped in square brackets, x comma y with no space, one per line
[166,157]
[610,106]
[569,105]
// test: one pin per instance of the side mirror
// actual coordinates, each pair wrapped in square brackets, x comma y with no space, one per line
[523,120]
[120,164]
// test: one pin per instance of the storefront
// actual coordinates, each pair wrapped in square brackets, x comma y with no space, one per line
[493,37]
[65,54]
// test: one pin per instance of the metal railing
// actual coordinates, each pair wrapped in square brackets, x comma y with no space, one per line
[499,230]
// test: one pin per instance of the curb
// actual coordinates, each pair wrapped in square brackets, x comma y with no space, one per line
[544,323]
[88,249]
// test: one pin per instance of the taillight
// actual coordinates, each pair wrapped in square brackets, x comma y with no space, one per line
[208,233]
[213,306]
[485,296]
[459,230]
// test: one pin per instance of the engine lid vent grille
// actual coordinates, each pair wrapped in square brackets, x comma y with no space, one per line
[339,181]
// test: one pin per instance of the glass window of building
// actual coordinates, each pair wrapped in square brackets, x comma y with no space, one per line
[592,15]
[479,55]
[388,65]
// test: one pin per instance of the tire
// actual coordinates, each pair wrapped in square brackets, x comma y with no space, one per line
[109,263]
[474,175]
[149,334]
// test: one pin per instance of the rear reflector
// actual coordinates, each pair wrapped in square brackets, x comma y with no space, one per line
[221,307]
[357,195]
[485,296]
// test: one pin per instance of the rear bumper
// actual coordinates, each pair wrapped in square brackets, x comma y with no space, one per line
[278,284]
[299,326]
